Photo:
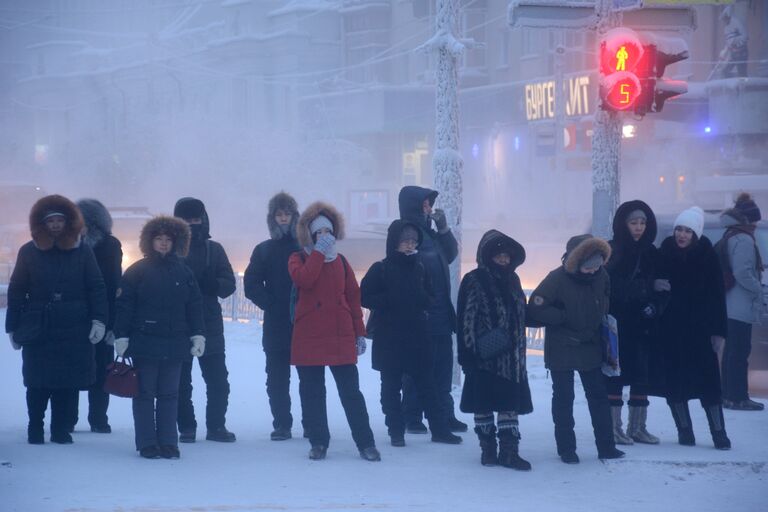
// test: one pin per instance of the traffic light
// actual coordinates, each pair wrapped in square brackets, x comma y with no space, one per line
[656,88]
[621,53]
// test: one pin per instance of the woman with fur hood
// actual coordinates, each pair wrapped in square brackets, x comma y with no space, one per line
[268,285]
[571,303]
[491,299]
[693,326]
[109,256]
[159,322]
[632,270]
[57,311]
[328,329]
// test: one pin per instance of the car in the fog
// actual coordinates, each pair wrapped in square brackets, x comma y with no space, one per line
[758,359]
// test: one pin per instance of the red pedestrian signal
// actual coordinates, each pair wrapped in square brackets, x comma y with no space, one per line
[621,53]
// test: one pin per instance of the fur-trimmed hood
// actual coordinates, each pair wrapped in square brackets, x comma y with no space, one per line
[98,221]
[282,201]
[70,238]
[304,237]
[581,248]
[174,227]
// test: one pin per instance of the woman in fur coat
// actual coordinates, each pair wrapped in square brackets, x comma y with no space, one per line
[571,303]
[328,329]
[491,298]
[159,322]
[57,311]
[693,327]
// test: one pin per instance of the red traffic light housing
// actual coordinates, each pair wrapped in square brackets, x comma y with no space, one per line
[658,89]
[621,53]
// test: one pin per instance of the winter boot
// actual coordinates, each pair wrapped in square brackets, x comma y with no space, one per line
[35,434]
[416,427]
[457,426]
[169,451]
[318,452]
[717,427]
[611,453]
[150,452]
[509,457]
[682,417]
[636,425]
[397,438]
[221,435]
[370,454]
[487,437]
[187,436]
[569,457]
[619,437]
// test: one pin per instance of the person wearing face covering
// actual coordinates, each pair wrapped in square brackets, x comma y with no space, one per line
[57,312]
[492,299]
[693,326]
[268,285]
[571,303]
[208,261]
[328,330]
[397,292]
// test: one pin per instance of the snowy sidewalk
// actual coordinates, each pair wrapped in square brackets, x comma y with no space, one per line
[103,472]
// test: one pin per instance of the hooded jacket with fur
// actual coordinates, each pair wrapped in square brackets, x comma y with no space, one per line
[328,317]
[266,281]
[58,278]
[571,306]
[159,305]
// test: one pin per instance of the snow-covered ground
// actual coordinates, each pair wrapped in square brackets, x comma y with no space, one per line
[103,472]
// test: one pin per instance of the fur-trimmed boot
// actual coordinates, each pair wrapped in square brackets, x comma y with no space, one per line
[636,425]
[619,437]
[509,443]
[717,427]
[682,417]
[487,436]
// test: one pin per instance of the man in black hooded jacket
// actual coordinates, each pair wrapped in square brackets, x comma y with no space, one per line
[211,267]
[438,249]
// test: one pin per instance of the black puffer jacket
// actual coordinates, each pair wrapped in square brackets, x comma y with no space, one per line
[60,277]
[215,278]
[159,305]
[397,291]
[267,283]
[438,250]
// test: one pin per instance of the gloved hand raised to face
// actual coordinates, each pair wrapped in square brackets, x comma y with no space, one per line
[198,345]
[325,243]
[121,346]
[98,329]
[441,222]
[15,345]
[361,345]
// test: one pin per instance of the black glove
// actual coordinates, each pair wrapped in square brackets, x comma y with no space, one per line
[208,283]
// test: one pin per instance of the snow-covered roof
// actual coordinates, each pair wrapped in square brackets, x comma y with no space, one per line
[306,5]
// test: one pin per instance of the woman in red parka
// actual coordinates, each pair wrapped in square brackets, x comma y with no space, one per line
[328,330]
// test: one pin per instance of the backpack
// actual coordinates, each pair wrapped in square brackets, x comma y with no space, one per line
[721,249]
[294,298]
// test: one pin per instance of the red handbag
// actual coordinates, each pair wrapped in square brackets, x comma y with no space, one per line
[122,378]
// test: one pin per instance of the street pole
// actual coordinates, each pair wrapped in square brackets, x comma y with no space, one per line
[606,146]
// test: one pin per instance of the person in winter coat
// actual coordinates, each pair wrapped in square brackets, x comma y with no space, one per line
[328,330]
[215,278]
[740,256]
[571,303]
[109,256]
[693,326]
[633,303]
[438,249]
[397,292]
[492,299]
[57,312]
[268,285]
[159,322]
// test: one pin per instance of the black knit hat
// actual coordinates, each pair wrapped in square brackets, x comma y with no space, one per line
[747,207]
[189,208]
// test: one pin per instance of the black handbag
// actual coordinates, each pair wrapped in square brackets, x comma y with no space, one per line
[493,343]
[31,327]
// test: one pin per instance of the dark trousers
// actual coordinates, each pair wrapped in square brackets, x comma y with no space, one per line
[61,407]
[279,387]
[98,399]
[156,408]
[593,382]
[442,377]
[391,402]
[312,393]
[215,375]
[735,365]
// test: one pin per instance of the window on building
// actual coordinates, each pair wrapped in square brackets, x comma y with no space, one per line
[473,26]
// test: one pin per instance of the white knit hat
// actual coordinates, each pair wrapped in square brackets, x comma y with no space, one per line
[320,222]
[692,218]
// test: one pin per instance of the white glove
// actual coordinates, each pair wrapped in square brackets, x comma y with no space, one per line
[198,345]
[98,329]
[109,339]
[324,243]
[717,343]
[661,285]
[361,345]
[15,345]
[121,345]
